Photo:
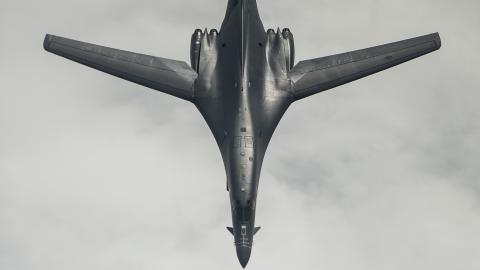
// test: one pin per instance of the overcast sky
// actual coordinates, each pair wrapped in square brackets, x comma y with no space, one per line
[99,173]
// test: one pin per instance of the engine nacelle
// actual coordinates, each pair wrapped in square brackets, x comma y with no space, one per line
[281,45]
[289,48]
[195,46]
[200,41]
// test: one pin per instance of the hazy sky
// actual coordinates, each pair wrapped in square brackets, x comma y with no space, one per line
[99,173]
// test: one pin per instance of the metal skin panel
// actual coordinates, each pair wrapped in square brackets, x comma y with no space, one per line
[242,80]
[169,76]
[317,75]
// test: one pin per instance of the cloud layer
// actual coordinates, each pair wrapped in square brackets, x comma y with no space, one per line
[99,173]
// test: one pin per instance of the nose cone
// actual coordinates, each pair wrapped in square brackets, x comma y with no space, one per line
[243,254]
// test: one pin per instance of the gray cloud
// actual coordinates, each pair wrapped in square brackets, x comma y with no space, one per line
[378,174]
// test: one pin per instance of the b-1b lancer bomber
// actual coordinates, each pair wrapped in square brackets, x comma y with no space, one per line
[242,79]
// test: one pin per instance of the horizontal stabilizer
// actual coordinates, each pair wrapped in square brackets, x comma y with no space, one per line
[316,75]
[169,76]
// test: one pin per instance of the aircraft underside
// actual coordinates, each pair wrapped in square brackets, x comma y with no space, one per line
[242,79]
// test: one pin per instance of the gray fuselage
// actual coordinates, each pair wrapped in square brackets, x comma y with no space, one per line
[242,91]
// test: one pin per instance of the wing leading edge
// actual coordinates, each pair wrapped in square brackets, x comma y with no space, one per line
[169,76]
[316,75]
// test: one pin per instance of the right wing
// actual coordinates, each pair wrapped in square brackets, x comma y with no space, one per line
[169,76]
[316,75]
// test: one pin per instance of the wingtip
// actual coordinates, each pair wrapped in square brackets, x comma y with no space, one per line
[47,41]
[437,39]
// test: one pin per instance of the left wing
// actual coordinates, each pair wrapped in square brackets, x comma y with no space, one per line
[316,75]
[169,76]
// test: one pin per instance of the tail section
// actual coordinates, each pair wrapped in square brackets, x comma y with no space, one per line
[241,13]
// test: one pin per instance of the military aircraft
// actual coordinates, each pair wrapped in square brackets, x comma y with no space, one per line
[242,79]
